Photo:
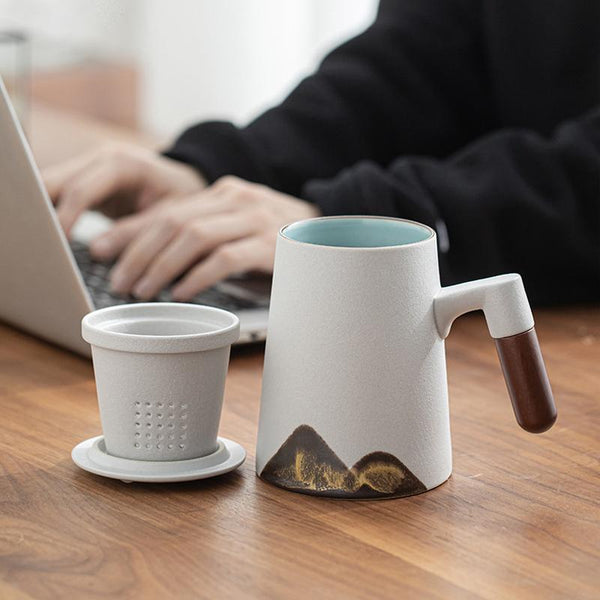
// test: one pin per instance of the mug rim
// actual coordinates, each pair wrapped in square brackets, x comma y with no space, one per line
[95,332]
[432,234]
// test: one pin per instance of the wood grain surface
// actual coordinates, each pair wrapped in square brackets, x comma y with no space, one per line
[519,518]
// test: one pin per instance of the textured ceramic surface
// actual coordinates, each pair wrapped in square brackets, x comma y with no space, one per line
[502,299]
[160,373]
[91,456]
[354,399]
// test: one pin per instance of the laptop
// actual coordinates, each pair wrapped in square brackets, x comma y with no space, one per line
[48,284]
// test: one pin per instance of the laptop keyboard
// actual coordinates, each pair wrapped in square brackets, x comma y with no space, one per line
[96,277]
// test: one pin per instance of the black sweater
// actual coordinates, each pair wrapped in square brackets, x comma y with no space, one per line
[480,118]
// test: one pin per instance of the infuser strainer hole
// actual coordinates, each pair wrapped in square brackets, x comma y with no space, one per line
[171,416]
[170,446]
[148,435]
[148,415]
[148,445]
[184,416]
[148,424]
[159,404]
[182,436]
[182,446]
[170,425]
[138,403]
[138,414]
[184,406]
[171,405]
[148,404]
[158,446]
[160,415]
[137,434]
[171,436]
[160,425]
[136,445]
[138,424]
[184,426]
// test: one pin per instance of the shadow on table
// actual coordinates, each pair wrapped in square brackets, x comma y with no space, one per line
[221,484]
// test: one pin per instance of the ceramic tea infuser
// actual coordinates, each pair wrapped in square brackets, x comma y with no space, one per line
[355,399]
[160,373]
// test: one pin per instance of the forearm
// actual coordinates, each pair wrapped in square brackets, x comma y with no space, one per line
[410,84]
[512,201]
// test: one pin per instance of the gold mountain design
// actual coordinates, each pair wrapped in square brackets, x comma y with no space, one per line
[305,463]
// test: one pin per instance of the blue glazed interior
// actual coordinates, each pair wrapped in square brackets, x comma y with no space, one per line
[357,232]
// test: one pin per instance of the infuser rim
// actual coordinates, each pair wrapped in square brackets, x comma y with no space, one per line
[97,329]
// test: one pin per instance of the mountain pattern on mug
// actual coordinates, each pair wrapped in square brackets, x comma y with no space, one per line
[305,463]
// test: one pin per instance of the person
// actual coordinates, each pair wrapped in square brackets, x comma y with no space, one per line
[480,118]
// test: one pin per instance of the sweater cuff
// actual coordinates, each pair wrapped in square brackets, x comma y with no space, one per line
[368,189]
[215,149]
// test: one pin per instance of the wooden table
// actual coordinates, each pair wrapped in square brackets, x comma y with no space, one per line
[519,518]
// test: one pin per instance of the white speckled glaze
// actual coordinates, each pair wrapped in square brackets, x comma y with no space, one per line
[355,349]
[160,372]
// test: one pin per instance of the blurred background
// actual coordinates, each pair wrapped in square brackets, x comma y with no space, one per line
[155,66]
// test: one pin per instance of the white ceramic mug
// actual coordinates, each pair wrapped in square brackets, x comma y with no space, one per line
[354,399]
[160,373]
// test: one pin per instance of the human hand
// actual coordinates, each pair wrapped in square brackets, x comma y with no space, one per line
[118,180]
[228,228]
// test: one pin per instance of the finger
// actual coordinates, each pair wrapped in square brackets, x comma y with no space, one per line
[57,176]
[138,255]
[90,188]
[205,204]
[196,240]
[111,243]
[234,257]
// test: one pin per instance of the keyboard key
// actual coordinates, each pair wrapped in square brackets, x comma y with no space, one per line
[96,277]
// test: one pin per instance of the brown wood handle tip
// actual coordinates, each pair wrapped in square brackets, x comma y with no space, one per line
[527,381]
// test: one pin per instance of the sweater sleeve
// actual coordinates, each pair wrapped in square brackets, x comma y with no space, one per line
[411,83]
[511,201]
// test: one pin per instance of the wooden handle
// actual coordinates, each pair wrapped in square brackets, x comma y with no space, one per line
[527,381]
[510,321]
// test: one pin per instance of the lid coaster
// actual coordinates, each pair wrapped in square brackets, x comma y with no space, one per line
[91,456]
